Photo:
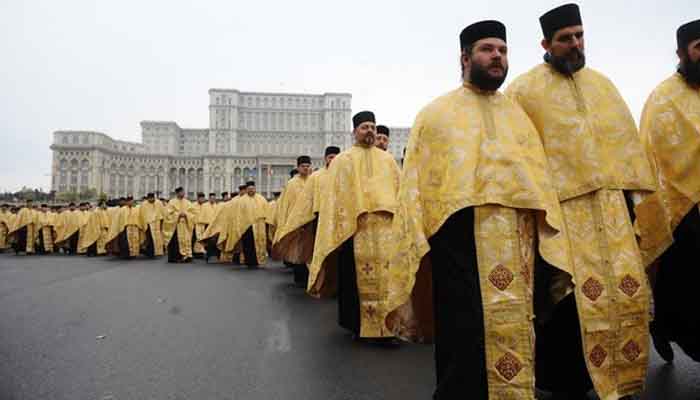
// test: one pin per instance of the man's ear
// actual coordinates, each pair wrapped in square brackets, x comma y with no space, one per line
[545,44]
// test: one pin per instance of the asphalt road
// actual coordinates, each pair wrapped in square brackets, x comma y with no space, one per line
[84,328]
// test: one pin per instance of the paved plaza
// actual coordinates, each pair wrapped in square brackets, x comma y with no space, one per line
[105,329]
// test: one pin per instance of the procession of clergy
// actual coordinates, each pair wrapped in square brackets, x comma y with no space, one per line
[524,235]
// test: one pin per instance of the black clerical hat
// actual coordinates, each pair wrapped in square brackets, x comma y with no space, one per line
[250,183]
[687,33]
[150,196]
[223,194]
[383,130]
[362,116]
[200,194]
[332,150]
[558,18]
[303,160]
[480,30]
[179,189]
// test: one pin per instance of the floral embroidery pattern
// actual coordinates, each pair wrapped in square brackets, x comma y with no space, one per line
[508,366]
[501,277]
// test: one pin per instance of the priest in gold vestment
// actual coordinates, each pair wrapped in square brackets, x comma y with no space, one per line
[354,227]
[4,224]
[291,249]
[204,211]
[246,228]
[83,216]
[100,223]
[23,228]
[217,232]
[668,221]
[67,229]
[476,208]
[592,327]
[124,237]
[45,230]
[178,227]
[151,213]
[297,236]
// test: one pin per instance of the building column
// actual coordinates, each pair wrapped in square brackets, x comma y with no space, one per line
[258,167]
[268,180]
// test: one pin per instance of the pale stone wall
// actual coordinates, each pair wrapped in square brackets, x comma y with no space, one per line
[250,136]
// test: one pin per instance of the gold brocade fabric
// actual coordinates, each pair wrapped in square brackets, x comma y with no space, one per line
[374,231]
[270,216]
[470,149]
[361,181]
[31,238]
[133,236]
[588,132]
[296,243]
[260,237]
[285,204]
[157,237]
[24,217]
[594,152]
[670,130]
[47,237]
[205,213]
[120,219]
[3,235]
[506,275]
[474,149]
[205,216]
[91,231]
[612,294]
[222,217]
[180,216]
[199,230]
[67,223]
[102,242]
[247,211]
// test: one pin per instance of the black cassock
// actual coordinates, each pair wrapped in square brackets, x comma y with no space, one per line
[21,240]
[460,353]
[174,249]
[348,295]
[675,290]
[150,249]
[248,247]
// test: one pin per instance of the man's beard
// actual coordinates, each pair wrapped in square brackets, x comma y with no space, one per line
[367,141]
[479,76]
[563,65]
[690,71]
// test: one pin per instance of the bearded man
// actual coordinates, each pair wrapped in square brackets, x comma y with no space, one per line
[382,141]
[668,220]
[592,318]
[290,254]
[297,236]
[354,226]
[178,227]
[475,199]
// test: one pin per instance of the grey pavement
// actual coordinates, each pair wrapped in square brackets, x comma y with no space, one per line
[100,328]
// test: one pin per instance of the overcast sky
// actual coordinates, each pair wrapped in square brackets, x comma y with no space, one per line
[107,65]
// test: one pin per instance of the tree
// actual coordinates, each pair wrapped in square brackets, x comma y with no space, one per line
[88,194]
[67,197]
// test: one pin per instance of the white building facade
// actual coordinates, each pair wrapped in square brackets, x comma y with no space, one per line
[251,136]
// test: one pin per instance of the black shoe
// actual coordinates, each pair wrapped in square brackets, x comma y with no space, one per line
[661,343]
